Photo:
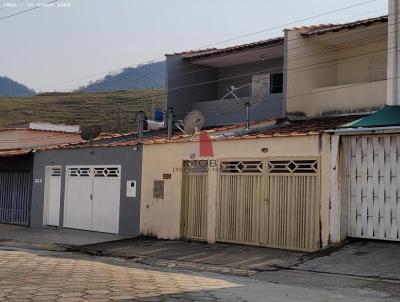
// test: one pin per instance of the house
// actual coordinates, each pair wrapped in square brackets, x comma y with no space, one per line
[201,80]
[16,166]
[275,184]
[89,186]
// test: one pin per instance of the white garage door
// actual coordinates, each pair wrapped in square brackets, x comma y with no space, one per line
[374,164]
[92,198]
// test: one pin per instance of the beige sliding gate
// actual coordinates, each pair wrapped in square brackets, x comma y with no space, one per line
[269,203]
[194,200]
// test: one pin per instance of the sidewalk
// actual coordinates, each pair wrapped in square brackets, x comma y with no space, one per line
[222,258]
[52,238]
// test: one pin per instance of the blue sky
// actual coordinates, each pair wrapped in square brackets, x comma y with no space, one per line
[56,44]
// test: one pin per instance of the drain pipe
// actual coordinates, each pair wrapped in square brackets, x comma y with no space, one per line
[170,117]
[140,120]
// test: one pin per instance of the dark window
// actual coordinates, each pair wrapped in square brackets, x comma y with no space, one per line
[276,83]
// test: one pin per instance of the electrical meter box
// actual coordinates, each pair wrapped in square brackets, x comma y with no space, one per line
[131,188]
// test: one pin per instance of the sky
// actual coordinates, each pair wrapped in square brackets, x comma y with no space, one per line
[47,48]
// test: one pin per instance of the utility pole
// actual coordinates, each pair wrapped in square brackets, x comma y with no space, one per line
[393,63]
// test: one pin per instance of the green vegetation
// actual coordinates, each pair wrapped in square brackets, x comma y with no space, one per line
[113,111]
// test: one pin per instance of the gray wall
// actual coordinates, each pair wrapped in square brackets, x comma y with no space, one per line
[131,169]
[181,72]
[239,75]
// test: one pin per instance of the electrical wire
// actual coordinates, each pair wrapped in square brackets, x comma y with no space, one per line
[27,10]
[224,41]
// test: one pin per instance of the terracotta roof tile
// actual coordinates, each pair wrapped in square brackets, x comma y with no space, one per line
[217,51]
[325,28]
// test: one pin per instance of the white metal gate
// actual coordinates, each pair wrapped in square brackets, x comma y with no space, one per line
[92,198]
[373,165]
[51,213]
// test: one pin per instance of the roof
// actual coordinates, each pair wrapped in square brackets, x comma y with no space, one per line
[311,126]
[194,54]
[388,116]
[13,153]
[325,28]
[37,130]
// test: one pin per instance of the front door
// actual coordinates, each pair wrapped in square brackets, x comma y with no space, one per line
[51,213]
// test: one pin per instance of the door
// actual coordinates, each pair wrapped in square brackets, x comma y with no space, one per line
[106,199]
[51,213]
[92,198]
[194,200]
[15,197]
[272,202]
[373,167]
[78,198]
[239,201]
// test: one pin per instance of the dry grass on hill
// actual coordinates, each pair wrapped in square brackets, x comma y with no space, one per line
[114,111]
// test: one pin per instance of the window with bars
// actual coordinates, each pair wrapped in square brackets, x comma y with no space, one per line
[55,171]
[79,172]
[293,166]
[242,166]
[106,172]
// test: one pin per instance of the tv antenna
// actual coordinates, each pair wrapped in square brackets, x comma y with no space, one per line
[192,123]
[89,133]
[243,102]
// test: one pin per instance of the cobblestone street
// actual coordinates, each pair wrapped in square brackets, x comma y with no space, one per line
[32,275]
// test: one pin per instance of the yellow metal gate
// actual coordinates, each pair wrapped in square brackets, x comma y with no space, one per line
[239,201]
[194,200]
[270,203]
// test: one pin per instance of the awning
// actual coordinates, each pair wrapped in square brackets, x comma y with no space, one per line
[388,116]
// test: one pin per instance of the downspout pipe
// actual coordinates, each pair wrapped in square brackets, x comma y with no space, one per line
[393,70]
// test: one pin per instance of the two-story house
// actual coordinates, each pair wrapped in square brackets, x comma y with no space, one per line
[203,79]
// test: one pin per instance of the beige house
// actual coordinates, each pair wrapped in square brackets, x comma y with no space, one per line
[337,68]
[269,188]
[285,184]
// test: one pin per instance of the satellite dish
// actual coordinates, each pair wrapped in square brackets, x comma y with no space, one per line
[91,132]
[192,123]
[239,103]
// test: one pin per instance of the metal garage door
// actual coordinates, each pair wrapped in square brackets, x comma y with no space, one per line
[92,198]
[194,201]
[373,163]
[269,202]
[15,196]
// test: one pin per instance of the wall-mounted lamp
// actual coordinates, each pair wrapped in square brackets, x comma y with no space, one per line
[264,150]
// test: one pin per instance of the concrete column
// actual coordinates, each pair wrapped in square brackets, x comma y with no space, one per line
[334,199]
[212,204]
[393,68]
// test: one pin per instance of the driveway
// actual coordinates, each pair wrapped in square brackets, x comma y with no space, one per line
[28,275]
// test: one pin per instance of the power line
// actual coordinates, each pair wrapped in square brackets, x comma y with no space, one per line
[28,10]
[224,41]
[9,6]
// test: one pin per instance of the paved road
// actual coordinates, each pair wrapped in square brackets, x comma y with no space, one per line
[28,275]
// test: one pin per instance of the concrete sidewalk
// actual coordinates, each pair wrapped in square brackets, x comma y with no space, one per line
[56,237]
[222,258]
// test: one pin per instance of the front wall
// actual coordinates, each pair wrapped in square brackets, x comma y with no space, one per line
[161,217]
[129,160]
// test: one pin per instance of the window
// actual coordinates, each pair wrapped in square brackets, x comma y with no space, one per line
[264,84]
[276,83]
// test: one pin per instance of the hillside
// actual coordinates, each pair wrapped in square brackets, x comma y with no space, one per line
[9,87]
[114,111]
[143,76]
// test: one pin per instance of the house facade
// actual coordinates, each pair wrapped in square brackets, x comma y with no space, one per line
[201,80]
[282,185]
[92,187]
